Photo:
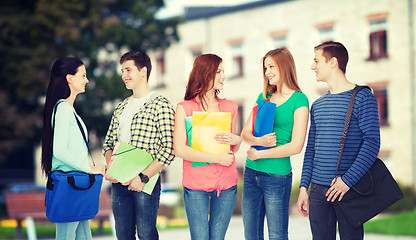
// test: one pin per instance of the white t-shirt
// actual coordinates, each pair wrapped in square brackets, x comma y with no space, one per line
[126,117]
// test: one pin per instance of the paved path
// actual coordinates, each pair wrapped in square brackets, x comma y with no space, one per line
[298,230]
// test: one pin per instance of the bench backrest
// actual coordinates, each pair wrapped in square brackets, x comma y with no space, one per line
[23,204]
[32,204]
[105,209]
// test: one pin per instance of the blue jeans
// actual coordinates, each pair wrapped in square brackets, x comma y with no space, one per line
[324,215]
[135,210]
[73,230]
[201,204]
[266,194]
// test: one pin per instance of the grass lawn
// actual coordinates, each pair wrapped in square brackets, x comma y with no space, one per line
[402,224]
[42,231]
[47,230]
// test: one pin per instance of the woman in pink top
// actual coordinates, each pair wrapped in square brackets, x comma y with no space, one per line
[209,190]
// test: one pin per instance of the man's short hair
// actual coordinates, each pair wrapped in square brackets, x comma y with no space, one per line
[332,49]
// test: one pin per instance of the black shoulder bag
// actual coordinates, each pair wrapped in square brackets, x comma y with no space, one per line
[374,192]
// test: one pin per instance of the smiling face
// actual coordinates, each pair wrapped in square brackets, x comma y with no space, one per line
[78,81]
[320,66]
[271,71]
[131,75]
[219,78]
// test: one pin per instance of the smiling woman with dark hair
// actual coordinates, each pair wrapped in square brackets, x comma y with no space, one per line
[63,146]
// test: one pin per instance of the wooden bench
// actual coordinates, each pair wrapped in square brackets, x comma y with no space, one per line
[105,211]
[30,206]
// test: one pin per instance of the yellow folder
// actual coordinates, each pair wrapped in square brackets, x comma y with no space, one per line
[205,125]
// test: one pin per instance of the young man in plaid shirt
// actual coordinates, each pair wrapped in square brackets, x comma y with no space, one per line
[144,120]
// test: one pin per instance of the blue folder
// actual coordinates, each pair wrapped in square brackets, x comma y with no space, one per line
[263,117]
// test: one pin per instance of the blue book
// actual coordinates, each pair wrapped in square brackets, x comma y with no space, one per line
[263,120]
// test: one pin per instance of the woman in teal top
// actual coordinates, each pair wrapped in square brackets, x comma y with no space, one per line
[268,173]
[63,147]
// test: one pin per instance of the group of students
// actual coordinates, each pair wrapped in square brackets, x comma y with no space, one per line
[148,121]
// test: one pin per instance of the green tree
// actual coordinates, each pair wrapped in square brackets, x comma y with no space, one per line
[34,33]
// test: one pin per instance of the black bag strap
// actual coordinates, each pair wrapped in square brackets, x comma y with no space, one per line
[347,123]
[80,127]
[71,181]
[344,135]
[84,136]
[49,184]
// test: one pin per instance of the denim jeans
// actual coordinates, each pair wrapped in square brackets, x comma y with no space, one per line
[266,194]
[209,215]
[135,210]
[324,215]
[73,230]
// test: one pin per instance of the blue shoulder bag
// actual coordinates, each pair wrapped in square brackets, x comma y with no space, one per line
[72,196]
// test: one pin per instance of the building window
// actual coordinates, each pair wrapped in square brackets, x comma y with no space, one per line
[196,53]
[279,38]
[160,61]
[196,50]
[326,34]
[378,36]
[382,101]
[237,60]
[378,40]
[240,120]
[279,42]
[326,31]
[160,70]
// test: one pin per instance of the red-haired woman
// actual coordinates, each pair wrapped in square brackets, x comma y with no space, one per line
[210,190]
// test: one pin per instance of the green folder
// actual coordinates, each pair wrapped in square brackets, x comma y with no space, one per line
[188,124]
[128,162]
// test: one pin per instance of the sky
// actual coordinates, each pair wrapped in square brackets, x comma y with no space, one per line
[176,7]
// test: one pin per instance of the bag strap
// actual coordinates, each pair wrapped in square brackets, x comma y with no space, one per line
[71,181]
[80,127]
[84,136]
[347,123]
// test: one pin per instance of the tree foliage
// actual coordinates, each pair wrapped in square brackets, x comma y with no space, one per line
[34,33]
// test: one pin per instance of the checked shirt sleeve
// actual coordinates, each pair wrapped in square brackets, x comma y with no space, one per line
[165,123]
[112,134]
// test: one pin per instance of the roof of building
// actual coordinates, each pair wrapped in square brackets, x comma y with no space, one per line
[194,13]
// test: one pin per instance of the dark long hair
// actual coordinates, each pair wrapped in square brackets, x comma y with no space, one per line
[202,76]
[58,88]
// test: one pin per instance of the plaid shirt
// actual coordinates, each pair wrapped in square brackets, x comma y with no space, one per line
[151,128]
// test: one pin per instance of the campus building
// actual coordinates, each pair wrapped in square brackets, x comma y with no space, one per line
[379,35]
